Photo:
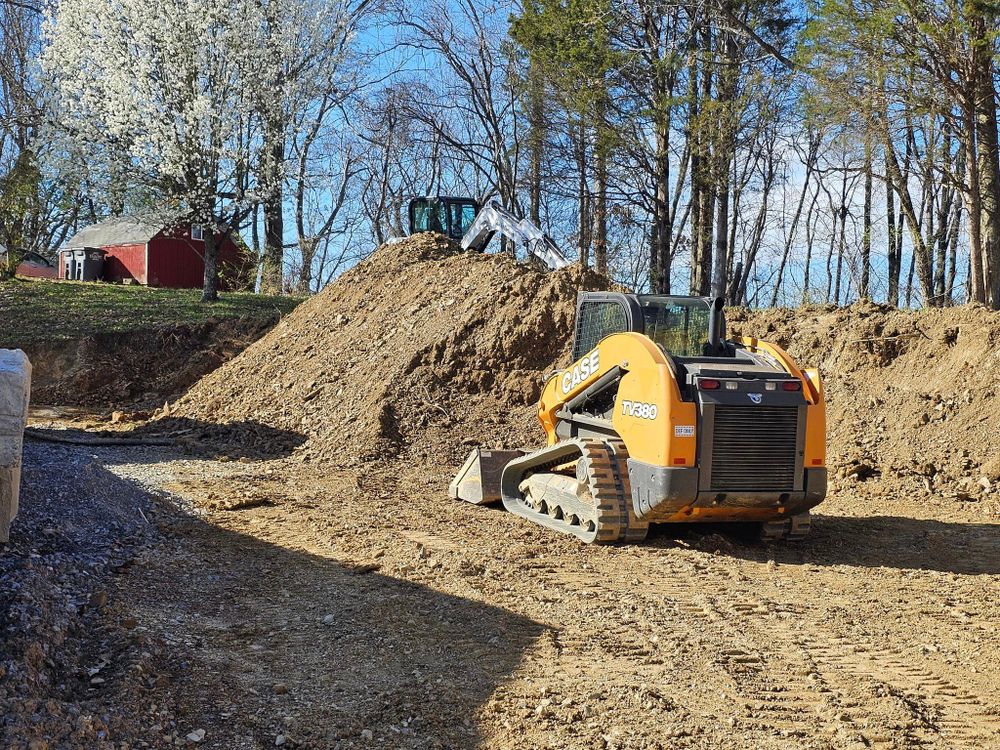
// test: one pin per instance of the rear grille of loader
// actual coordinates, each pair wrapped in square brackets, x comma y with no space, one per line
[754,448]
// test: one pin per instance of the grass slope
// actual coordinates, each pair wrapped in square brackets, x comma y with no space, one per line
[40,310]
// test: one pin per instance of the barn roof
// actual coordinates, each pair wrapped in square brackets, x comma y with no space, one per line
[118,230]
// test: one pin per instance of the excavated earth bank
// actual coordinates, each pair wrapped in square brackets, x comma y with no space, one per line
[913,396]
[418,348]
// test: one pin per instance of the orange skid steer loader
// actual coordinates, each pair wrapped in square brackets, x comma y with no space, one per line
[661,419]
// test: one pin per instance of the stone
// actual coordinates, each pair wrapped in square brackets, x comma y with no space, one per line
[15,392]
[196,736]
[98,599]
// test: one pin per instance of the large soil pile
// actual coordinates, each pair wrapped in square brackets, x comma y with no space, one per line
[424,350]
[913,397]
[419,348]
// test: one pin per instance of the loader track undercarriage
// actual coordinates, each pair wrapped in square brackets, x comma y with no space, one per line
[787,529]
[580,487]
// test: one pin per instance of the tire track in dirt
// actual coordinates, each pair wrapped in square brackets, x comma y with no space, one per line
[965,722]
[840,662]
[799,680]
[770,690]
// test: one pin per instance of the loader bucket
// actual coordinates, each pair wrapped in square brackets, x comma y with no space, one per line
[478,481]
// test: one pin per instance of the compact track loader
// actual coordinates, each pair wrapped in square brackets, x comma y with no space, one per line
[660,419]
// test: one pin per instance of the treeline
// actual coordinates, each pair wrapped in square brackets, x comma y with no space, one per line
[758,150]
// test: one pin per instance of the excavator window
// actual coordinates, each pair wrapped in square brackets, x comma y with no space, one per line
[427,216]
[463,214]
[681,327]
[450,216]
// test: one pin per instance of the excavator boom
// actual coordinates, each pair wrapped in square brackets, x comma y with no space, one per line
[463,219]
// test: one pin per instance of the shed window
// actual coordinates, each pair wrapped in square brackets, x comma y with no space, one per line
[196,233]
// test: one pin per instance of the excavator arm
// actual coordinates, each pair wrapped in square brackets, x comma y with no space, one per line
[495,219]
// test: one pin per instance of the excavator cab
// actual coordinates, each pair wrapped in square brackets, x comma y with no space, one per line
[445,214]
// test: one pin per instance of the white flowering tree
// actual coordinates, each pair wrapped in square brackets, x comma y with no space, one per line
[158,97]
[195,101]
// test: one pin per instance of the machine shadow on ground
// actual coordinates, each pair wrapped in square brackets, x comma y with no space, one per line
[362,659]
[196,438]
[865,541]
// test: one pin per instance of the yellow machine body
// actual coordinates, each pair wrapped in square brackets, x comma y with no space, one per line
[666,432]
[661,419]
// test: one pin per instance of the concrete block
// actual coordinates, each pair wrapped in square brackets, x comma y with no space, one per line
[15,390]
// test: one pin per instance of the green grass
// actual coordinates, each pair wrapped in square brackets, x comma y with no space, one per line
[33,311]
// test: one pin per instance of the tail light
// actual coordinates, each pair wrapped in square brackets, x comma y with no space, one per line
[708,384]
[792,385]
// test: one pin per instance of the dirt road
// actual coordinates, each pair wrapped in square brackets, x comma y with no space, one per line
[278,605]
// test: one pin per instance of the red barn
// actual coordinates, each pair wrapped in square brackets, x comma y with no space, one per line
[139,251]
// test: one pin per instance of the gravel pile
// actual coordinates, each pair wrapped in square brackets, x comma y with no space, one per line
[74,669]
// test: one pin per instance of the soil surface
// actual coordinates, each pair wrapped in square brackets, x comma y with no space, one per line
[139,369]
[289,571]
[266,603]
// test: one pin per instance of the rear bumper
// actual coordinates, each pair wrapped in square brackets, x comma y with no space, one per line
[671,493]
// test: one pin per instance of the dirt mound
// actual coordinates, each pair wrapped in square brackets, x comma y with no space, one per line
[912,395]
[424,350]
[420,348]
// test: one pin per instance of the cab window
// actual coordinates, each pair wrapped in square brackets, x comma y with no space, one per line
[595,321]
[680,328]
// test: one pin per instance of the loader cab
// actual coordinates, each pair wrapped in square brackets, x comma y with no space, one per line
[683,326]
[445,214]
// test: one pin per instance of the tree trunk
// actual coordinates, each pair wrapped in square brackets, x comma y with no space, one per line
[274,220]
[600,208]
[977,291]
[696,283]
[583,196]
[866,237]
[536,114]
[893,247]
[662,230]
[909,280]
[810,236]
[210,286]
[721,235]
[920,250]
[307,247]
[988,157]
[723,161]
